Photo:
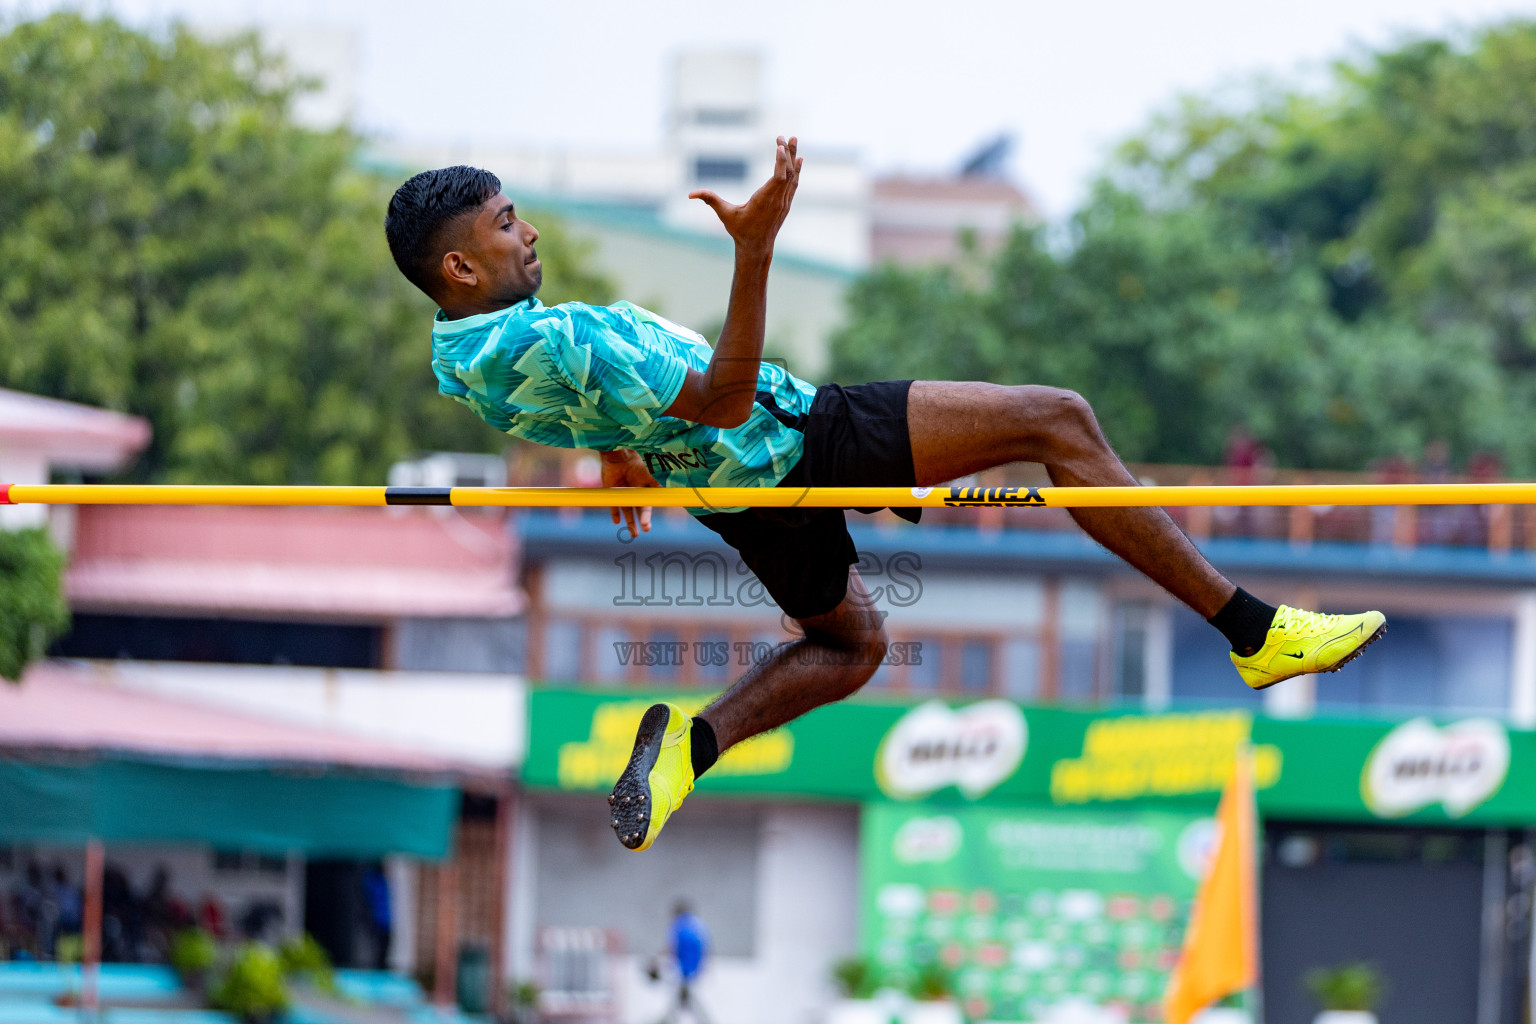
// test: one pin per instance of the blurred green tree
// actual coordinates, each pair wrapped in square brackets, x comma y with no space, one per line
[32,608]
[1348,274]
[177,246]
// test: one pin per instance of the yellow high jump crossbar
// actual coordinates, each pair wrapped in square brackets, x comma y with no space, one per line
[949,496]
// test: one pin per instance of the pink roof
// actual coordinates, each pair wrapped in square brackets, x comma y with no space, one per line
[346,563]
[972,189]
[63,706]
[71,434]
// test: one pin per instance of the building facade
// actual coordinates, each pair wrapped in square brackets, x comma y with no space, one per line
[1127,712]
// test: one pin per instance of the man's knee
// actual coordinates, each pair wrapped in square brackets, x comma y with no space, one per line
[864,661]
[853,647]
[868,650]
[1064,415]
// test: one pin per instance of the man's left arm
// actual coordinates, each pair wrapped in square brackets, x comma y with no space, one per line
[723,394]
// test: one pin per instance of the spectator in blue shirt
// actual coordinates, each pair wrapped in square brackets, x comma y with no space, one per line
[690,948]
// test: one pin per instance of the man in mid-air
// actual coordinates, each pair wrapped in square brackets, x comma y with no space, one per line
[626,383]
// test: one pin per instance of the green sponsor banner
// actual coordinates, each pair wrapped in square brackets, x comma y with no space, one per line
[993,752]
[1031,913]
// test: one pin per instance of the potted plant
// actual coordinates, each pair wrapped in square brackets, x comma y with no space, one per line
[523,999]
[304,960]
[253,988]
[1348,994]
[193,954]
[856,982]
[69,948]
[933,1000]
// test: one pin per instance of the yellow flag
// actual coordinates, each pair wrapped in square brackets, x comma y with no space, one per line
[1221,945]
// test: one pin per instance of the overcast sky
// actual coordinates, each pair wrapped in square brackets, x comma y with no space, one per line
[911,85]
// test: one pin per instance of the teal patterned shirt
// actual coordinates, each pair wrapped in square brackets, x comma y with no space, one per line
[599,377]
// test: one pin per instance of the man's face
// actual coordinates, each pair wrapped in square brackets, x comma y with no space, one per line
[500,247]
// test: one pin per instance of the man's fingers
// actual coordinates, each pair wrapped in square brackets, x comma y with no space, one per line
[711,200]
[632,515]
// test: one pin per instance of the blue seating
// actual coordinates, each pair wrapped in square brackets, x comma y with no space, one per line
[379,988]
[36,1011]
[130,983]
[148,1015]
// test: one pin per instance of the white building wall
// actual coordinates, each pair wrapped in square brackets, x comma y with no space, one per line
[691,284]
[809,907]
[805,906]
[717,111]
[19,465]
[460,715]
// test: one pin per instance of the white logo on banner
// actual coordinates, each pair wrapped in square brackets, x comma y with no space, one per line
[1197,845]
[927,840]
[932,747]
[1077,1010]
[1419,764]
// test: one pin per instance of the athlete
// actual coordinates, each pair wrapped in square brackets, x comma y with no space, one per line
[656,401]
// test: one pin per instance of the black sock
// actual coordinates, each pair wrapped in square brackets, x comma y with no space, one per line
[1245,622]
[706,749]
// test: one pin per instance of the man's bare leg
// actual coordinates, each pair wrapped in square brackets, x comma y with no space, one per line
[959,428]
[835,655]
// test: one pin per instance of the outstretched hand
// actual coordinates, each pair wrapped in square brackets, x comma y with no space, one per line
[754,224]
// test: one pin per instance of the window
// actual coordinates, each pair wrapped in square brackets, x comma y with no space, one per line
[713,658]
[976,666]
[1021,669]
[664,656]
[1202,671]
[1077,669]
[1449,663]
[926,665]
[1132,623]
[1081,615]
[719,168]
[884,673]
[562,651]
[222,641]
[614,653]
[722,117]
[459,645]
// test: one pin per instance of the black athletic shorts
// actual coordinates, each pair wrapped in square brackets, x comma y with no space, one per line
[854,437]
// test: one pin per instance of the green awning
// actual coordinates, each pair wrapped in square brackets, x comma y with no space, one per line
[69,798]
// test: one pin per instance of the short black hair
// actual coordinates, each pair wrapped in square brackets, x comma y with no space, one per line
[420,210]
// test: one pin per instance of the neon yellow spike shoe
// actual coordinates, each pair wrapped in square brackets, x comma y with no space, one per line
[658,776]
[1301,641]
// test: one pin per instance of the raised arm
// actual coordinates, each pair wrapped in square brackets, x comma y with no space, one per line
[723,394]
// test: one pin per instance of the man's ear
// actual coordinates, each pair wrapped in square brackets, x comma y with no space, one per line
[458,270]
